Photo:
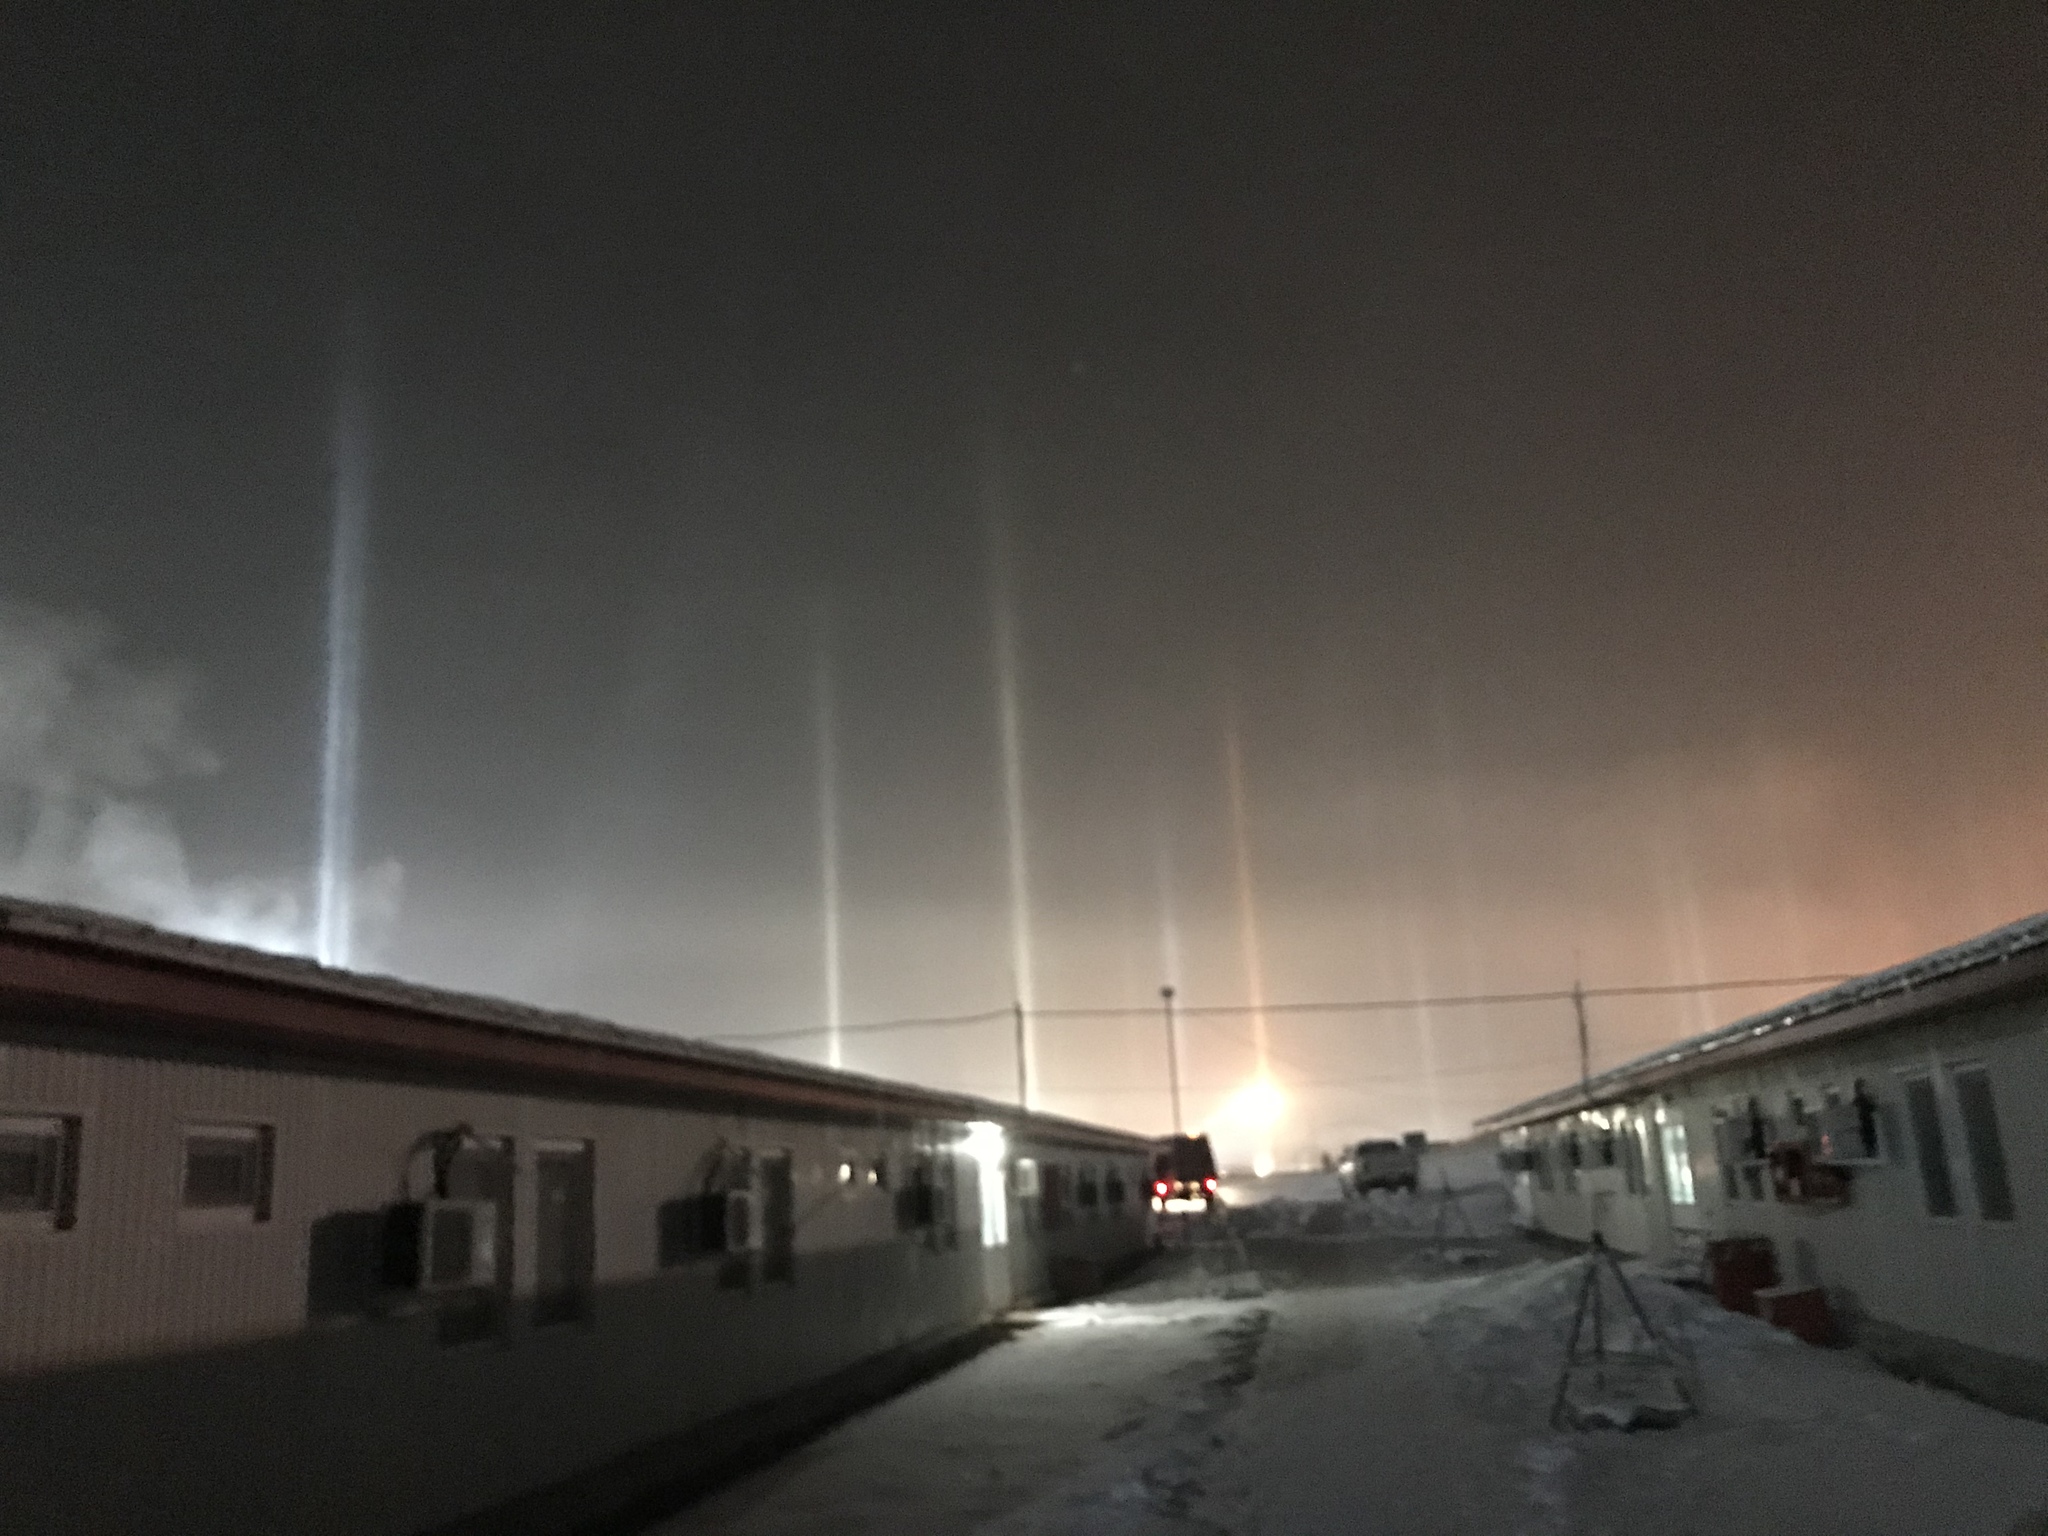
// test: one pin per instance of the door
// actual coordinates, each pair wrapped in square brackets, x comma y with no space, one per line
[565,1241]
[778,1218]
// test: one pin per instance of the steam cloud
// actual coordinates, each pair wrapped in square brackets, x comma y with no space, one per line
[86,740]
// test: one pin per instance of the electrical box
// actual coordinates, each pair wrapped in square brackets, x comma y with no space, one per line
[441,1245]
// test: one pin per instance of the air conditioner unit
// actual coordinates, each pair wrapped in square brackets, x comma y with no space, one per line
[742,1222]
[1846,1135]
[441,1245]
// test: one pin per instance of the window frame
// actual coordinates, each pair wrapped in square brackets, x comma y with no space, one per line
[1953,1071]
[68,1130]
[1907,1077]
[258,1209]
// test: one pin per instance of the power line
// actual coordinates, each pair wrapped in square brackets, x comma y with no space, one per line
[1471,1000]
[941,1021]
[1360,1005]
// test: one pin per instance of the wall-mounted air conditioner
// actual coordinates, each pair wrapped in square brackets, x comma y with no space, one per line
[742,1222]
[441,1245]
[1846,1135]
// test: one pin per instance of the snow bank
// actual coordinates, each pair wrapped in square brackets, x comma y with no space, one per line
[1482,1212]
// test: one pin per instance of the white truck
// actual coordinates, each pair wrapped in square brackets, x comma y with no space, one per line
[1372,1165]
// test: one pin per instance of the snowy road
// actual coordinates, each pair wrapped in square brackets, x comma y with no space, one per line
[1366,1389]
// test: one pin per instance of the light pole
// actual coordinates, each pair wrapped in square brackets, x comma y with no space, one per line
[1023,1072]
[1172,1055]
[1585,1044]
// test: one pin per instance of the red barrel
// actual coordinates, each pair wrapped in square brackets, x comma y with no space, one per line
[1740,1267]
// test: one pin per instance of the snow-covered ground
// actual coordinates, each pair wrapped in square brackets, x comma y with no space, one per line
[1355,1379]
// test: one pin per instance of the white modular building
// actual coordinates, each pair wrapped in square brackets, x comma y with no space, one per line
[291,1250]
[1885,1135]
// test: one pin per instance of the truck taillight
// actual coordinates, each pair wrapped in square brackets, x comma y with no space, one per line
[1210,1185]
[1160,1186]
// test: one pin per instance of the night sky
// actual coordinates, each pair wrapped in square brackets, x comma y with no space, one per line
[1597,456]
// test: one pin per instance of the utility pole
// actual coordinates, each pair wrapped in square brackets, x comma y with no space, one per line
[1023,1072]
[1172,1055]
[1585,1050]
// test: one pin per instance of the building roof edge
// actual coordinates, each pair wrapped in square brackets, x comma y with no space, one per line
[1940,980]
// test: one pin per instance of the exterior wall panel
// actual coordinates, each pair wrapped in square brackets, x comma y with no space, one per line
[1882,1257]
[159,1368]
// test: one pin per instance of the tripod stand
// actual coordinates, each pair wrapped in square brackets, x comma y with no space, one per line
[1632,1369]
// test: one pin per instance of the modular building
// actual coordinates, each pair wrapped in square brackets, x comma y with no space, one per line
[290,1250]
[1884,1135]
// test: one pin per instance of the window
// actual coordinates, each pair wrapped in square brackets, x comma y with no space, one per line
[1677,1159]
[1113,1187]
[1632,1157]
[1087,1194]
[564,1234]
[1937,1183]
[925,1203]
[1981,1140]
[227,1169]
[1539,1164]
[1054,1183]
[1756,1147]
[39,1170]
[1605,1150]
[1728,1153]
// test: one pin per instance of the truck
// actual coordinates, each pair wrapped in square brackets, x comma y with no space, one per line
[1183,1173]
[1371,1165]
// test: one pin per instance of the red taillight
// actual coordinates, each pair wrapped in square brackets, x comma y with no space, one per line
[1210,1185]
[1161,1187]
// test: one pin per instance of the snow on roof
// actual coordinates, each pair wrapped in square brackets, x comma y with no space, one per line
[1992,948]
[126,938]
